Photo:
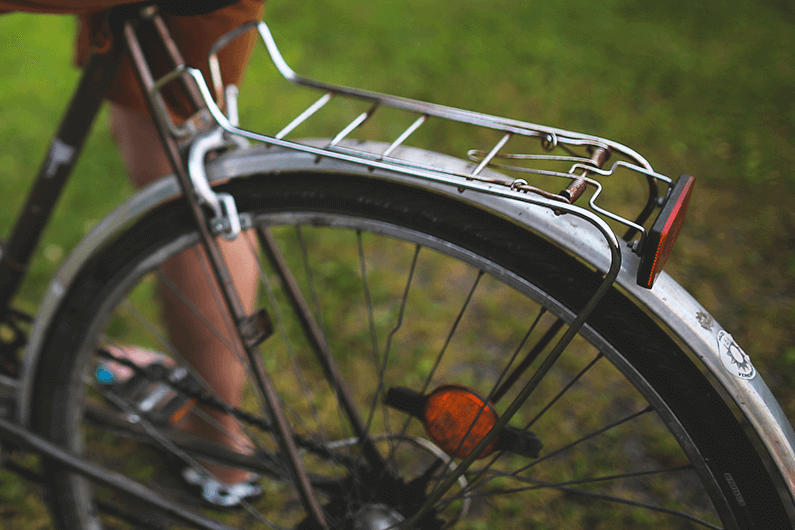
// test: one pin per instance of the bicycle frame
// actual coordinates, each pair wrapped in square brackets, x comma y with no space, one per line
[54,173]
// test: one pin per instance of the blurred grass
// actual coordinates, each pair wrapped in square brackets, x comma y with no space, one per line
[699,88]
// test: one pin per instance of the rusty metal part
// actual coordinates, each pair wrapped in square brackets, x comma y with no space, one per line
[256,327]
[577,187]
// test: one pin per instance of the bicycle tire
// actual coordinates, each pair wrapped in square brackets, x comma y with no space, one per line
[717,453]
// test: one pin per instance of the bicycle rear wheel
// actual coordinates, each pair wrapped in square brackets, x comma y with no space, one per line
[409,290]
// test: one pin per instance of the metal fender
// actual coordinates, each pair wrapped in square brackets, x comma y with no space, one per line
[668,301]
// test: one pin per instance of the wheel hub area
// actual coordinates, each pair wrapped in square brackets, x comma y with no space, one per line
[376,517]
[377,499]
[369,500]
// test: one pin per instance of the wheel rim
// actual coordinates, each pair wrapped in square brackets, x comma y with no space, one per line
[465,333]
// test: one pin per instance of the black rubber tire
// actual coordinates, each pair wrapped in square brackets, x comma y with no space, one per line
[742,491]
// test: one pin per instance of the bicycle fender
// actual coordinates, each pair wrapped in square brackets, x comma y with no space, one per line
[667,301]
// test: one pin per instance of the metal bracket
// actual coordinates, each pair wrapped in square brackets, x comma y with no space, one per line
[256,327]
[225,219]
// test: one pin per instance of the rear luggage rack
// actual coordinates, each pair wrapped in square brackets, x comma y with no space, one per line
[530,157]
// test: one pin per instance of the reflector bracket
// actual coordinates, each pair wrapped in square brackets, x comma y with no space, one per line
[662,236]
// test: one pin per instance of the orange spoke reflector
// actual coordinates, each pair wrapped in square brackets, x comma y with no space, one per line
[660,240]
[456,418]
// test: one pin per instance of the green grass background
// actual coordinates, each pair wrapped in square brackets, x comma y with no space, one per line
[706,88]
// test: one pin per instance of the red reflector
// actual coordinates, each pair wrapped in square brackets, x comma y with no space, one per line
[456,418]
[662,236]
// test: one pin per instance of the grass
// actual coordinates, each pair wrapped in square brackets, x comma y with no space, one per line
[700,89]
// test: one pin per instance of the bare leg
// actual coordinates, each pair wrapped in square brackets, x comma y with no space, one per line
[146,161]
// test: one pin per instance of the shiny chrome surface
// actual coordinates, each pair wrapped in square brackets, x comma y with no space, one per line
[550,142]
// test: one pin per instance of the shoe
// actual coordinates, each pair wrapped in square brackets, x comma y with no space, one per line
[217,493]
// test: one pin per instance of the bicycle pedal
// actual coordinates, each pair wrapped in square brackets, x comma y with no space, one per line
[150,397]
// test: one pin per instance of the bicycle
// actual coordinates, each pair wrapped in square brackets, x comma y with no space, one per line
[534,283]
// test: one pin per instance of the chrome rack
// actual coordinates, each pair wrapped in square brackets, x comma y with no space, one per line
[575,157]
[578,158]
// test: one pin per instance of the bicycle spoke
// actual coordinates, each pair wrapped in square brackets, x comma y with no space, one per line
[452,331]
[237,347]
[564,486]
[390,458]
[284,335]
[585,438]
[103,418]
[377,364]
[477,481]
[311,279]
[563,391]
[401,312]
[591,480]
[324,349]
[267,399]
[496,393]
[398,324]
[532,355]
[168,283]
[312,329]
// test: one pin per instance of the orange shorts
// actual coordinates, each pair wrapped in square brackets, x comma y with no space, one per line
[194,35]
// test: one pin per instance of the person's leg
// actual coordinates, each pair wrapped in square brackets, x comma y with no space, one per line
[218,365]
